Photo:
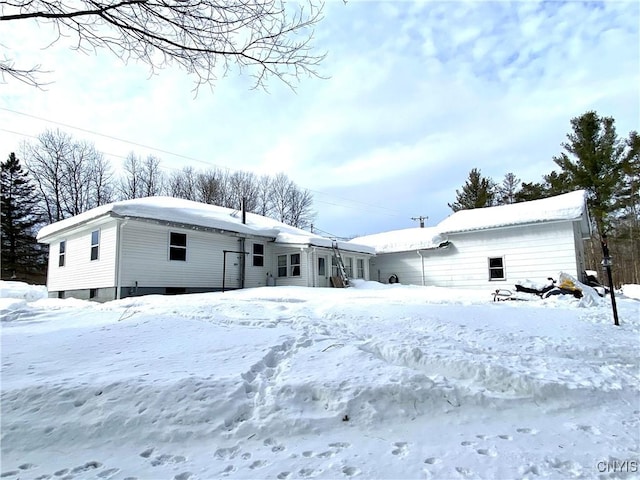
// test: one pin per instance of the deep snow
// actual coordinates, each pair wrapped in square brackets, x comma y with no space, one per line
[376,381]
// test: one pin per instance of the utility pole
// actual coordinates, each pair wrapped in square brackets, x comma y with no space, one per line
[421,218]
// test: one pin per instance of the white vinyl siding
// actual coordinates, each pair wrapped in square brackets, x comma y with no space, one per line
[532,252]
[144,252]
[79,271]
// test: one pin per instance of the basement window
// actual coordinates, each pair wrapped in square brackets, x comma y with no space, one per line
[178,246]
[295,264]
[95,244]
[496,268]
[258,255]
[62,253]
[282,265]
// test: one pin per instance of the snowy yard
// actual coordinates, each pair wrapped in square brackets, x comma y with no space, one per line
[369,382]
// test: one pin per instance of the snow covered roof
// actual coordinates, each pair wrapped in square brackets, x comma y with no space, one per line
[569,206]
[187,212]
[403,240]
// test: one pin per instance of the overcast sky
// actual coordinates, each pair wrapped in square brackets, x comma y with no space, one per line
[417,94]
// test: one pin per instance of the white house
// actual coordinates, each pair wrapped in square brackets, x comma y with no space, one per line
[487,247]
[166,245]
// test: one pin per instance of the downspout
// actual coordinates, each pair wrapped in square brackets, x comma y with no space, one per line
[314,266]
[422,261]
[243,263]
[119,226]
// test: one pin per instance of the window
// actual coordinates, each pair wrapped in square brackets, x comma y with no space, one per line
[63,248]
[93,292]
[322,267]
[174,291]
[348,267]
[334,266]
[360,266]
[95,244]
[295,264]
[282,265]
[178,246]
[258,255]
[496,268]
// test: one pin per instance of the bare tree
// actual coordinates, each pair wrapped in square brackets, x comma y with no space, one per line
[71,175]
[141,178]
[271,38]
[102,182]
[280,194]
[300,214]
[130,182]
[243,185]
[264,205]
[153,179]
[44,159]
[291,205]
[183,184]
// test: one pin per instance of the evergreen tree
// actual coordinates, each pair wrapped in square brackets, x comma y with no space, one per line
[594,161]
[22,257]
[477,192]
[507,190]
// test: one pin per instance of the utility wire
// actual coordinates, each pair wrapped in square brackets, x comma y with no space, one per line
[395,213]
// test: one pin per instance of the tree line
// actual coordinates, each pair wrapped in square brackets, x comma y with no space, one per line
[606,166]
[65,176]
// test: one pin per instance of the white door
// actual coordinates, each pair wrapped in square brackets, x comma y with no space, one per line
[232,269]
[322,271]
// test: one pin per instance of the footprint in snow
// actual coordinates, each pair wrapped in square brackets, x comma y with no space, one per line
[505,437]
[401,449]
[527,430]
[257,464]
[432,460]
[351,471]
[487,452]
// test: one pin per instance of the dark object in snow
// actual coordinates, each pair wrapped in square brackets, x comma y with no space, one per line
[566,287]
[592,281]
[345,418]
[394,279]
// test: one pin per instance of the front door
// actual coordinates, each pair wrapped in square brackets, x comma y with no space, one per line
[232,270]
[322,271]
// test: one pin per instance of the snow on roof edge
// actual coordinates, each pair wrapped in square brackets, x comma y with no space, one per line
[187,212]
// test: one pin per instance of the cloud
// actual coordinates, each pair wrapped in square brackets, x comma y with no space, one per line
[417,94]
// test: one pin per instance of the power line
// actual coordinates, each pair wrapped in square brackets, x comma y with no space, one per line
[395,213]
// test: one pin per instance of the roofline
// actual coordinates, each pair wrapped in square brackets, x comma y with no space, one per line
[523,224]
[192,226]
[110,214]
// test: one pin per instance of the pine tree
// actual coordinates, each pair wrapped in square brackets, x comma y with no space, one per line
[477,192]
[22,257]
[594,161]
[507,190]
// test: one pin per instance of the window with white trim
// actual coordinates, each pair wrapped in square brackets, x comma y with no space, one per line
[62,253]
[282,265]
[295,265]
[348,267]
[178,246]
[360,267]
[258,255]
[496,268]
[95,244]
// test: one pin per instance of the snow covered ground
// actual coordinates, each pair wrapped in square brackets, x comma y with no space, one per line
[377,381]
